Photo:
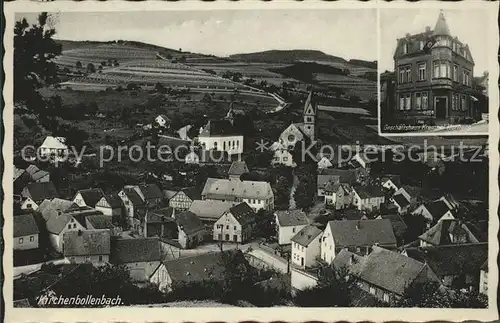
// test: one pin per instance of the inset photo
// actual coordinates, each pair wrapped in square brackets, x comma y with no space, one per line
[434,71]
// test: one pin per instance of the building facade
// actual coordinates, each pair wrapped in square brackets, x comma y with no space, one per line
[434,73]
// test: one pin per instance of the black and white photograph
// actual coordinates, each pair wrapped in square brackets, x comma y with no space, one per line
[434,71]
[233,158]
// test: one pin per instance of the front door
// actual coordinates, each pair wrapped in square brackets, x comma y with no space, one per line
[441,108]
[302,261]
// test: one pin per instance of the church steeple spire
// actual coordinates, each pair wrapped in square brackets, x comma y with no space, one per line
[310,117]
[441,28]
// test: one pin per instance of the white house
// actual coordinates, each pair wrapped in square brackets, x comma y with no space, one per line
[221,135]
[357,236]
[141,256]
[35,193]
[288,224]
[324,162]
[338,195]
[434,211]
[367,197]
[54,146]
[235,225]
[110,205]
[306,246]
[25,232]
[259,195]
[58,225]
[88,197]
[281,156]
[89,246]
[390,182]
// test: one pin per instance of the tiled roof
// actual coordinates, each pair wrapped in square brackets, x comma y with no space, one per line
[54,142]
[135,250]
[151,191]
[24,225]
[350,214]
[327,180]
[41,191]
[48,207]
[210,209]
[100,221]
[172,143]
[87,243]
[401,200]
[396,179]
[189,222]
[133,196]
[243,213]
[452,259]
[156,215]
[114,200]
[366,192]
[348,176]
[305,236]
[217,128]
[168,194]
[398,225]
[439,234]
[91,195]
[238,168]
[441,27]
[228,189]
[389,269]
[291,218]
[362,233]
[437,208]
[56,223]
[196,268]
[192,192]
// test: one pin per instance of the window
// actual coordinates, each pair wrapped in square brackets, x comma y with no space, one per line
[234,227]
[420,45]
[425,102]
[401,102]
[87,259]
[29,205]
[408,74]
[453,102]
[405,48]
[372,290]
[422,71]
[441,69]
[401,75]
[418,101]
[455,73]
[386,297]
[293,230]
[408,102]
[69,226]
[466,77]
[32,238]
[20,240]
[464,106]
[227,227]
[100,258]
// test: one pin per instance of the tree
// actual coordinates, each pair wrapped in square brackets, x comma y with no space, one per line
[282,193]
[237,275]
[78,65]
[34,53]
[265,225]
[305,193]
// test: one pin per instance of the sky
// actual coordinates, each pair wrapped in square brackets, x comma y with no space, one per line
[343,32]
[468,25]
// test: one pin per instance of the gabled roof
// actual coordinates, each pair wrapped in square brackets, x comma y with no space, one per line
[113,200]
[133,196]
[437,208]
[54,142]
[365,192]
[56,223]
[218,128]
[452,259]
[135,250]
[238,168]
[305,236]
[348,233]
[348,176]
[18,173]
[41,191]
[172,142]
[56,204]
[163,116]
[25,225]
[151,191]
[87,243]
[396,179]
[157,215]
[189,222]
[234,188]
[291,218]
[90,195]
[398,225]
[100,221]
[243,213]
[439,234]
[401,200]
[210,209]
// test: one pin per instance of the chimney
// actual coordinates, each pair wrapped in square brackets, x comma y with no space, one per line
[407,35]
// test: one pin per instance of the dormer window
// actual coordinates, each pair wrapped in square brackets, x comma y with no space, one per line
[420,45]
[405,48]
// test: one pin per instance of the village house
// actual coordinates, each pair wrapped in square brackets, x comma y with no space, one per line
[99,222]
[335,176]
[54,146]
[58,225]
[281,155]
[455,265]
[235,225]
[259,195]
[222,135]
[237,169]
[20,179]
[209,211]
[134,206]
[161,223]
[363,159]
[55,207]
[324,162]
[183,199]
[337,195]
[197,268]
[163,121]
[88,197]
[356,236]
[367,197]
[37,175]
[398,225]
[25,232]
[207,157]
[306,246]
[35,193]
[383,273]
[150,194]
[305,131]
[288,224]
[88,246]
[141,256]
[434,211]
[191,231]
[110,205]
[483,279]
[401,202]
[411,193]
[390,182]
[446,232]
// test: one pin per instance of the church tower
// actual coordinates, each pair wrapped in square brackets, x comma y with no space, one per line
[230,114]
[310,118]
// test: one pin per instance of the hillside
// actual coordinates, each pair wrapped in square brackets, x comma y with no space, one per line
[287,56]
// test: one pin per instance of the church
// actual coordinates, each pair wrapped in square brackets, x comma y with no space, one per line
[296,133]
[222,135]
